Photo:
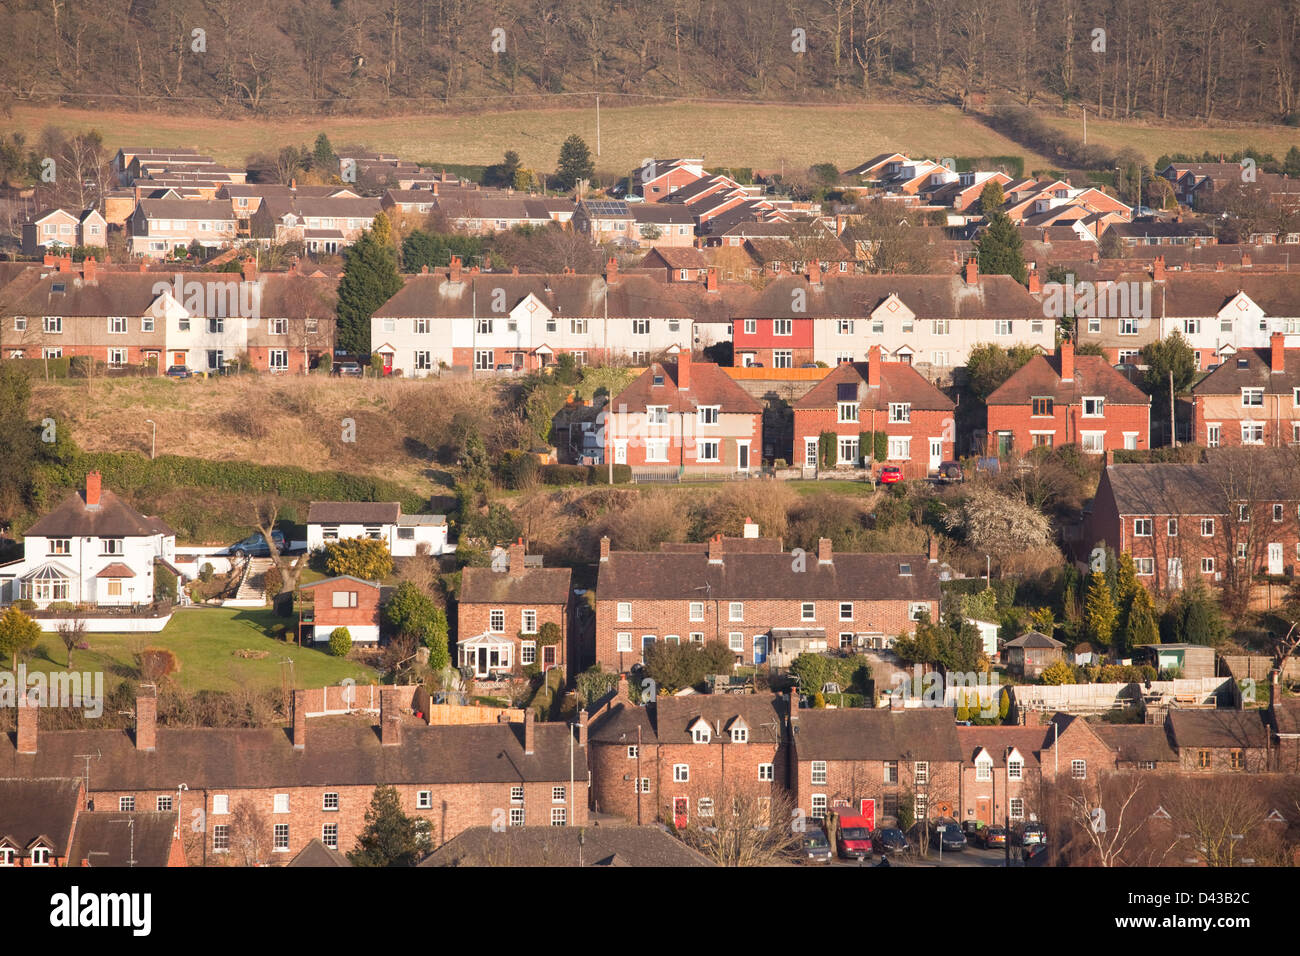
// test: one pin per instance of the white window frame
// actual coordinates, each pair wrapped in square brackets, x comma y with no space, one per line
[736,611]
[818,772]
[681,773]
[1078,770]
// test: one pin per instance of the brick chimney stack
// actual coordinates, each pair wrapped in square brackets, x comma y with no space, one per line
[824,551]
[93,481]
[1158,269]
[28,712]
[604,549]
[65,263]
[88,269]
[1245,260]
[299,719]
[794,704]
[51,260]
[1277,356]
[751,528]
[715,549]
[972,271]
[146,718]
[684,369]
[814,272]
[517,551]
[390,717]
[711,279]
[250,269]
[1035,283]
[611,269]
[530,733]
[934,549]
[582,728]
[455,269]
[1067,360]
[873,367]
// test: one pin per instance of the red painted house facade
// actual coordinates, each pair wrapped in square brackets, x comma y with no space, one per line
[860,398]
[1067,399]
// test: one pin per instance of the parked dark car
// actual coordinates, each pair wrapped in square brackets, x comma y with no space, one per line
[891,474]
[889,841]
[951,471]
[816,846]
[348,368]
[948,837]
[255,545]
[991,837]
[1028,834]
[178,371]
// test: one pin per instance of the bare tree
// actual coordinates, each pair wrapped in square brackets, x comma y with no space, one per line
[72,632]
[1219,822]
[264,518]
[248,834]
[1102,814]
[744,827]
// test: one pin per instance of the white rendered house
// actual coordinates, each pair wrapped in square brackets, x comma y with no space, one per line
[382,520]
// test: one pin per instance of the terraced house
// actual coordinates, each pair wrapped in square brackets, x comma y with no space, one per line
[738,594]
[484,322]
[1252,398]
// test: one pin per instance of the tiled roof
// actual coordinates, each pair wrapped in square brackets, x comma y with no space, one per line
[317,853]
[105,839]
[33,806]
[1230,378]
[899,382]
[1093,375]
[566,846]
[353,512]
[1218,728]
[534,586]
[857,734]
[709,385]
[113,518]
[1135,743]
[567,296]
[186,209]
[928,296]
[763,714]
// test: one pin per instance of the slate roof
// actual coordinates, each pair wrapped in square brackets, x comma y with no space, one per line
[1034,639]
[764,576]
[339,751]
[928,296]
[1230,378]
[858,734]
[709,385]
[436,296]
[764,714]
[205,209]
[1093,375]
[123,839]
[534,586]
[730,544]
[1136,743]
[1218,728]
[317,853]
[1194,489]
[1027,741]
[662,213]
[114,518]
[566,846]
[899,382]
[679,257]
[34,806]
[353,512]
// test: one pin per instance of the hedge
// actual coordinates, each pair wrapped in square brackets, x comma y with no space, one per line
[132,473]
[565,475]
[36,367]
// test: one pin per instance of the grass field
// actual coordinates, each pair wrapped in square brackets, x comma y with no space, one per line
[1153,139]
[205,640]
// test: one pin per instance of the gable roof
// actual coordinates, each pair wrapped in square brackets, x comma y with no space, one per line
[1041,377]
[1034,639]
[317,853]
[1138,743]
[353,512]
[566,296]
[763,714]
[1218,728]
[114,518]
[1230,378]
[899,382]
[709,385]
[534,586]
[137,839]
[566,846]
[858,734]
[38,806]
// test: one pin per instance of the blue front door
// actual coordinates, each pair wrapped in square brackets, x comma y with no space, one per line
[760,649]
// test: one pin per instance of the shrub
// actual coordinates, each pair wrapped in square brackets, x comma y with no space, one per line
[365,558]
[340,642]
[157,662]
[564,475]
[206,572]
[272,582]
[164,583]
[593,684]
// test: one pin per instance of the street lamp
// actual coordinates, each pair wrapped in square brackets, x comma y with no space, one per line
[153,440]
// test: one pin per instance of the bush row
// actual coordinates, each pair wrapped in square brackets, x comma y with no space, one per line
[563,475]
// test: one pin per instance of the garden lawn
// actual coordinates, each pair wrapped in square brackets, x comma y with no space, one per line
[205,640]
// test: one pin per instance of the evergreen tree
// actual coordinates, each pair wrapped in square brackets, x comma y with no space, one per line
[1202,622]
[1291,165]
[18,633]
[1140,625]
[390,838]
[575,163]
[999,249]
[19,444]
[369,280]
[992,198]
[322,155]
[1100,611]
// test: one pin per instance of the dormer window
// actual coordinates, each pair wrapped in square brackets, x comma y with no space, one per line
[658,379]
[700,732]
[904,570]
[740,735]
[984,768]
[41,856]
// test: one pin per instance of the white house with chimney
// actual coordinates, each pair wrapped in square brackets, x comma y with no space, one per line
[405,535]
[93,549]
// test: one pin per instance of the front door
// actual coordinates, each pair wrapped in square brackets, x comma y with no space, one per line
[1004,444]
[1274,558]
[868,809]
[480,662]
[936,453]
[388,363]
[679,812]
[620,453]
[760,649]
[810,453]
[1175,573]
[742,456]
[982,810]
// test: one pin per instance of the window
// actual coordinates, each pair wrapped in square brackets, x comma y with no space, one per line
[848,449]
[279,360]
[877,326]
[483,327]
[940,326]
[846,610]
[280,803]
[126,804]
[1002,327]
[1277,512]
[497,621]
[656,449]
[697,637]
[1094,324]
[900,449]
[632,752]
[1144,566]
[1203,759]
[1207,565]
[697,610]
[1241,552]
[736,611]
[20,323]
[111,546]
[1094,406]
[1237,758]
[164,804]
[740,735]
[819,771]
[1079,769]
[736,641]
[577,326]
[1036,327]
[625,643]
[527,652]
[49,352]
[1171,527]
[1243,513]
[1015,769]
[1252,433]
[528,622]
[751,326]
[221,838]
[516,794]
[709,414]
[551,324]
[640,326]
[1141,527]
[891,771]
[844,327]
[329,835]
[921,772]
[1207,527]
[1252,398]
[983,770]
[641,785]
[625,610]
[1191,326]
[765,771]
[1128,326]
[1017,808]
[705,807]
[848,411]
[808,611]
[60,546]
[117,324]
[782,358]
[916,610]
[559,816]
[707,451]
[1212,433]
[281,838]
[116,358]
[220,804]
[344,599]
[681,773]
[483,360]
[782,327]
[423,360]
[900,412]
[53,324]
[818,806]
[330,801]
[656,414]
[1041,408]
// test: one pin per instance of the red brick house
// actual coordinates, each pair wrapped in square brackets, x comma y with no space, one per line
[342,601]
[501,611]
[862,398]
[741,596]
[687,416]
[1067,399]
[678,758]
[1184,520]
[317,781]
[1252,398]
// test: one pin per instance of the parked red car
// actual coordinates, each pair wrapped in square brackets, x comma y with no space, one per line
[890,474]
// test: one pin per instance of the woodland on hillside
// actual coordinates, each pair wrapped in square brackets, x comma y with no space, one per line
[1203,60]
